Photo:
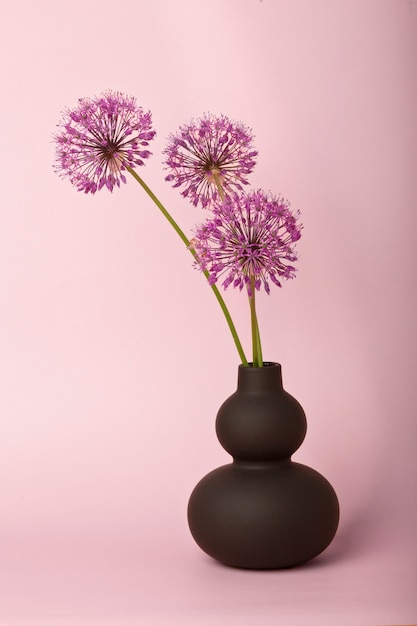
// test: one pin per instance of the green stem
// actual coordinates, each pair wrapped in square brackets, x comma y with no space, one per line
[219,186]
[186,241]
[256,338]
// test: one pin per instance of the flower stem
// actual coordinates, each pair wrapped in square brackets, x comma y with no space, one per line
[219,185]
[256,339]
[186,241]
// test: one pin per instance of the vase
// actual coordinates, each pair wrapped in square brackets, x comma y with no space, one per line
[262,511]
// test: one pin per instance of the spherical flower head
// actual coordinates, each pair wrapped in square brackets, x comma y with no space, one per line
[248,241]
[99,138]
[208,155]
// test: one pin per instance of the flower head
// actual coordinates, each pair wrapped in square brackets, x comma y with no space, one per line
[99,138]
[248,241]
[208,155]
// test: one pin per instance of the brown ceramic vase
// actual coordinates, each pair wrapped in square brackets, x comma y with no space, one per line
[262,511]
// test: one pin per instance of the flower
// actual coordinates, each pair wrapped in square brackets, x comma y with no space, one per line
[209,157]
[99,138]
[249,240]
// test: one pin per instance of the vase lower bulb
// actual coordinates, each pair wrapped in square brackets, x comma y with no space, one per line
[263,518]
[262,511]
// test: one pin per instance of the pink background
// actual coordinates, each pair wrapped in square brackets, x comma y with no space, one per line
[114,356]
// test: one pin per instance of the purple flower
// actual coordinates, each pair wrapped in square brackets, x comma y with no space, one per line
[248,241]
[99,138]
[210,154]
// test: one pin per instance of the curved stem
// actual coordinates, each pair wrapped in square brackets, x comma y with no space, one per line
[186,241]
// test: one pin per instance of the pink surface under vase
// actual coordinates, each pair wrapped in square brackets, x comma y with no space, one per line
[262,511]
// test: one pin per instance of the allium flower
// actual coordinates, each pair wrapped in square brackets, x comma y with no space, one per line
[99,138]
[210,154]
[248,241]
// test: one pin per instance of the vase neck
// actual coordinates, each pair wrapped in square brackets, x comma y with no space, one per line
[263,379]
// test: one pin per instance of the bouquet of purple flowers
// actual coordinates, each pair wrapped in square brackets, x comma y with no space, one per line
[248,239]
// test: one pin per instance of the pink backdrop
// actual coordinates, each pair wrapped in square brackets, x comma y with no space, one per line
[114,355]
